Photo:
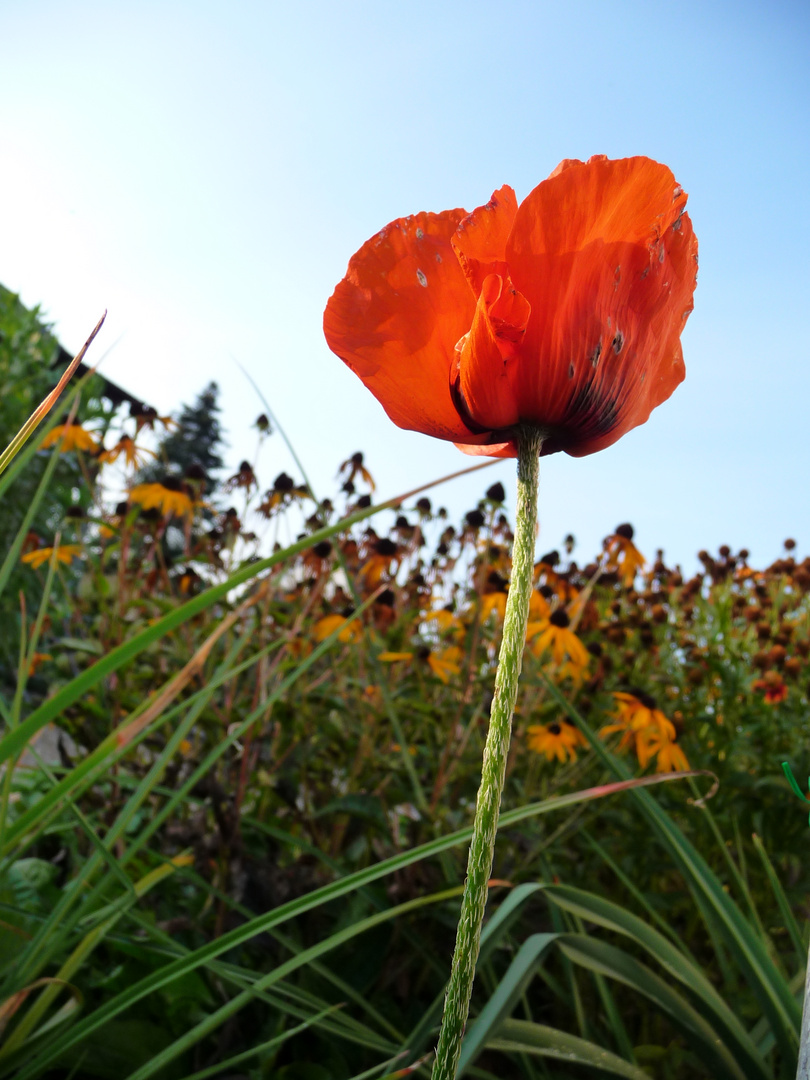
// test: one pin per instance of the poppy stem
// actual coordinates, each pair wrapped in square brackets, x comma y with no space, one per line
[488,804]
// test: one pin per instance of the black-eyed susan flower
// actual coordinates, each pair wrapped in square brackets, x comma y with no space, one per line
[559,740]
[133,455]
[394,657]
[555,584]
[283,492]
[352,468]
[36,659]
[539,614]
[442,662]
[244,478]
[318,559]
[189,581]
[146,417]
[445,662]
[350,632]
[621,554]
[72,437]
[561,641]
[644,726]
[494,599]
[444,622]
[670,757]
[66,553]
[170,496]
[638,711]
[380,564]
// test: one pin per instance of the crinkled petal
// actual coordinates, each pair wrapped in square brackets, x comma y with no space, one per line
[489,357]
[607,259]
[480,239]
[396,317]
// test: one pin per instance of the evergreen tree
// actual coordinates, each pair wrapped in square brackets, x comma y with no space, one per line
[192,447]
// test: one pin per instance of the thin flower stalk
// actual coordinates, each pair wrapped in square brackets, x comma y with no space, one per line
[482,847]
[45,406]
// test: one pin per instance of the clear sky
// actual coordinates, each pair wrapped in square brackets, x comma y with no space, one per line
[205,171]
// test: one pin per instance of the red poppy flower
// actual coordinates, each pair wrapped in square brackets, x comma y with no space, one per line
[564,313]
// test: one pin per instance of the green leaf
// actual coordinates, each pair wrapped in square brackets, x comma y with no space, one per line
[606,959]
[367,807]
[232,939]
[525,1037]
[769,986]
[518,975]
[602,912]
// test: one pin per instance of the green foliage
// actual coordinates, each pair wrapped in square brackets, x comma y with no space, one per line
[28,355]
[237,836]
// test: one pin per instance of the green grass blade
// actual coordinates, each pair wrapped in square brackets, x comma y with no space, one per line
[766,981]
[68,969]
[13,553]
[326,893]
[634,891]
[107,754]
[16,740]
[271,1044]
[596,909]
[505,917]
[791,925]
[212,1022]
[606,959]
[518,975]
[525,1037]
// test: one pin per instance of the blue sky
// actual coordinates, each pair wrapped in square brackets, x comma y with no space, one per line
[205,171]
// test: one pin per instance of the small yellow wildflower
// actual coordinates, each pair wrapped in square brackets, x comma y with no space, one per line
[73,437]
[446,622]
[622,555]
[170,497]
[66,553]
[563,642]
[556,740]
[445,662]
[134,455]
[352,631]
[644,727]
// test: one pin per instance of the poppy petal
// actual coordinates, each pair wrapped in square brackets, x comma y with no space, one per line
[607,259]
[490,355]
[480,239]
[396,317]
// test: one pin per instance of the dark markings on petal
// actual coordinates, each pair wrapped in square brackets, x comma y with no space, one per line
[570,371]
[590,414]
[617,342]
[597,352]
[461,408]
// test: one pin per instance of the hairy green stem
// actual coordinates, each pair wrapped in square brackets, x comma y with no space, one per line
[488,805]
